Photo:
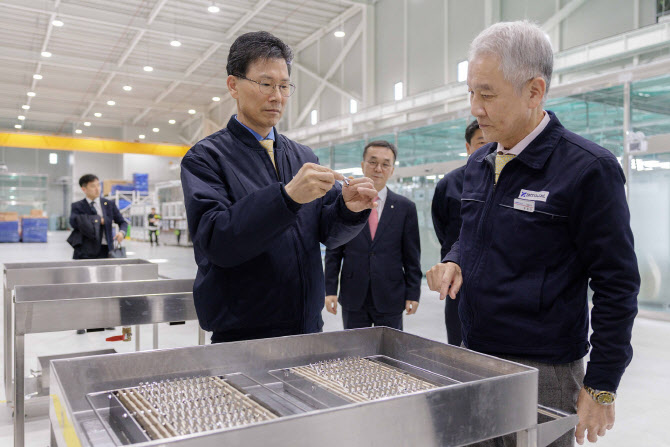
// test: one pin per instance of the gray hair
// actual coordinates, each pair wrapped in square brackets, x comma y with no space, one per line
[524,51]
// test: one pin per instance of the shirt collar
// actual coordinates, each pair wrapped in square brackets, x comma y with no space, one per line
[259,137]
[382,194]
[523,144]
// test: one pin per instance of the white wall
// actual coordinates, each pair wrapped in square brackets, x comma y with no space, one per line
[439,33]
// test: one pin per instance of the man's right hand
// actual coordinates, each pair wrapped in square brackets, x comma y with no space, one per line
[311,182]
[331,304]
[445,278]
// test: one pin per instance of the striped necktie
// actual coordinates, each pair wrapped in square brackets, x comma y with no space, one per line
[501,161]
[269,147]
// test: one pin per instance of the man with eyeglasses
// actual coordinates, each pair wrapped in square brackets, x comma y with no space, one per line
[379,270]
[258,204]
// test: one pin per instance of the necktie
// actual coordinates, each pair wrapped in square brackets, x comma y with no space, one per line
[269,147]
[373,221]
[501,161]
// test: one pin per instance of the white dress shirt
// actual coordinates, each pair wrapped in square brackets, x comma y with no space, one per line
[380,203]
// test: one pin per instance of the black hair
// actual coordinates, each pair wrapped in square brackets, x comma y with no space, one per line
[86,179]
[250,47]
[470,130]
[382,143]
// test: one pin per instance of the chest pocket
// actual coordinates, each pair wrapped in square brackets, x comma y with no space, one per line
[540,234]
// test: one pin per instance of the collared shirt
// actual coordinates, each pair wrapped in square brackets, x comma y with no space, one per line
[98,209]
[382,200]
[259,137]
[521,145]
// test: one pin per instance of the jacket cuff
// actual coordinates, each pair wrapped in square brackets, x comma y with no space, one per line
[451,257]
[602,379]
[349,216]
[290,203]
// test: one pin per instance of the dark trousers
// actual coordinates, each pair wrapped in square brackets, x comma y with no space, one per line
[104,252]
[452,321]
[368,316]
[558,387]
[153,234]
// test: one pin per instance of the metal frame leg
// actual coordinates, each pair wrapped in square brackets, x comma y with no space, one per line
[137,337]
[19,391]
[527,438]
[9,334]
[155,336]
[201,336]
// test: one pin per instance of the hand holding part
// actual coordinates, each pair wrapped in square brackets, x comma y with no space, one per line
[311,182]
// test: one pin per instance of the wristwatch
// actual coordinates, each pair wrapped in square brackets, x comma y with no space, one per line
[602,397]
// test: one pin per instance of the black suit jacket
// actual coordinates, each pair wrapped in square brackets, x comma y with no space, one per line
[389,265]
[82,208]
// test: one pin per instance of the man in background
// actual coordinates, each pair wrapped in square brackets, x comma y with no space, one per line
[446,211]
[379,270]
[154,220]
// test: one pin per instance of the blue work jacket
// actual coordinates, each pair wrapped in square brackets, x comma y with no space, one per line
[528,247]
[258,255]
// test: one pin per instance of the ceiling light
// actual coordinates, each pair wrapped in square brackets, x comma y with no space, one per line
[148,68]
[463,154]
[175,43]
[78,131]
[339,33]
[21,117]
[213,8]
[172,121]
[191,112]
[127,88]
[87,123]
[216,99]
[17,126]
[57,22]
[25,107]
[156,129]
[46,54]
[141,137]
[111,103]
[31,94]
[37,76]
[97,114]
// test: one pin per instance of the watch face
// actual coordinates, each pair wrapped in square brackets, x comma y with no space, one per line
[605,398]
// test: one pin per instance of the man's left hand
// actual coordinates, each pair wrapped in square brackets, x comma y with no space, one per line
[411,307]
[593,417]
[359,195]
[119,237]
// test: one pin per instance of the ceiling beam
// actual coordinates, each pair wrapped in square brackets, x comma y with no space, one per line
[155,11]
[562,14]
[335,87]
[258,7]
[337,21]
[336,64]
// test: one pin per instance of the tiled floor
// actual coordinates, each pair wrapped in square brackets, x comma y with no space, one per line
[643,406]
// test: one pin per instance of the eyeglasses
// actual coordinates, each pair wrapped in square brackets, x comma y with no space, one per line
[286,89]
[373,164]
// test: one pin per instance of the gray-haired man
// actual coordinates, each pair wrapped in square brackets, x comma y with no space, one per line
[544,212]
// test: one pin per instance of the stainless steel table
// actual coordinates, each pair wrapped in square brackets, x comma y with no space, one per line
[475,397]
[61,272]
[61,307]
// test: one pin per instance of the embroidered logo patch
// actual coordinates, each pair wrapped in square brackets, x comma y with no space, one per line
[540,196]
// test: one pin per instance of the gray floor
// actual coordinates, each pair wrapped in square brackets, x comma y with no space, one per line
[643,406]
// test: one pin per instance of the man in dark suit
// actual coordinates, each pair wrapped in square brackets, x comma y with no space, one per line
[95,210]
[381,267]
[446,211]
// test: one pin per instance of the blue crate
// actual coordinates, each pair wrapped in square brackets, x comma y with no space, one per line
[122,188]
[141,182]
[9,231]
[34,230]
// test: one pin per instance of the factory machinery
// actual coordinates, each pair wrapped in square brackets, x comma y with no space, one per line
[375,386]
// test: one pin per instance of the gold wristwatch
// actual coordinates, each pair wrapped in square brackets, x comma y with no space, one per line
[602,397]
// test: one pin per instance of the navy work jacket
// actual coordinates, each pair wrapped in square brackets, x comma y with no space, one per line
[446,209]
[389,266]
[526,265]
[258,255]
